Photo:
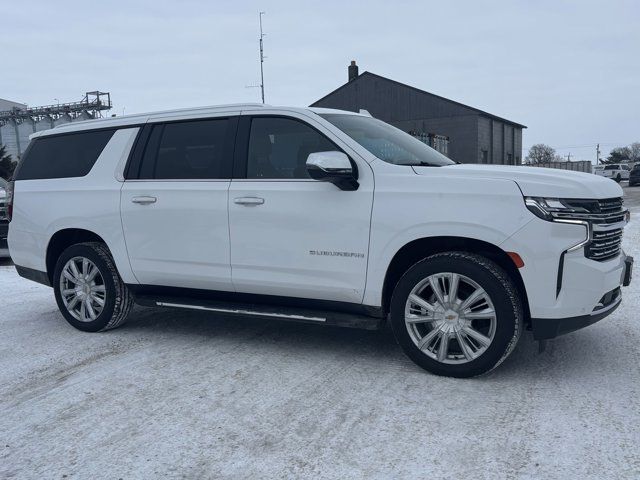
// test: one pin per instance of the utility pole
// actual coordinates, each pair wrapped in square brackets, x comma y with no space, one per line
[598,154]
[569,157]
[261,57]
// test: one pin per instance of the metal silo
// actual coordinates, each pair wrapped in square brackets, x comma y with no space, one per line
[25,128]
[45,123]
[9,138]
[66,118]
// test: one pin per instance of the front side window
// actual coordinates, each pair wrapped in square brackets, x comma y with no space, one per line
[387,142]
[192,150]
[63,156]
[279,148]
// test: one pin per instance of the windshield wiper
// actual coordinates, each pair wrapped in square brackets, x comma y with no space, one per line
[418,164]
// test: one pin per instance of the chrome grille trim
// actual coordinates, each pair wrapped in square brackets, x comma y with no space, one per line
[606,219]
[605,244]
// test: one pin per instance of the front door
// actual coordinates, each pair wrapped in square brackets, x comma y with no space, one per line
[291,235]
[174,208]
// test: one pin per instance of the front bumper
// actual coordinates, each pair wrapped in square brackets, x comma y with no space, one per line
[547,328]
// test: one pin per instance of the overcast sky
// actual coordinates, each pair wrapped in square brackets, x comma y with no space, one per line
[569,70]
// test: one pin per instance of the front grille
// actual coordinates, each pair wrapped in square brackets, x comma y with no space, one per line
[605,245]
[607,219]
[599,212]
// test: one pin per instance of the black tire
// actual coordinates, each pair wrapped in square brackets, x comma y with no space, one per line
[619,178]
[509,316]
[118,299]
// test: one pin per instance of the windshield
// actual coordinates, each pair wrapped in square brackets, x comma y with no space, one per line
[386,142]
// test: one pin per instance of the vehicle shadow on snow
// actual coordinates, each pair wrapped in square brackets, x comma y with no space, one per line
[574,355]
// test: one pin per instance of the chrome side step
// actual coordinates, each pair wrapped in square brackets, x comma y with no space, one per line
[267,308]
[243,312]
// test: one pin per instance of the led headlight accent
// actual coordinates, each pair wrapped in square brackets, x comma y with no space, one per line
[557,210]
[553,209]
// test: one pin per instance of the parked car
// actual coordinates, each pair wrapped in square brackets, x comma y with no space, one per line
[4,220]
[315,215]
[634,175]
[617,172]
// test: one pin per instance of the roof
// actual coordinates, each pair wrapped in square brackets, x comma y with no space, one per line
[4,104]
[172,115]
[404,85]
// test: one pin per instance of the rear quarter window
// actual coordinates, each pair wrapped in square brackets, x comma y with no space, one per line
[63,156]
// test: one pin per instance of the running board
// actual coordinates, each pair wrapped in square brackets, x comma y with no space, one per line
[266,311]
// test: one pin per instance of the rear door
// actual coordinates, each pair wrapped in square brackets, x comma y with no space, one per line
[174,204]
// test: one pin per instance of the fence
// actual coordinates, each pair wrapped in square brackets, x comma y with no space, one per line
[580,166]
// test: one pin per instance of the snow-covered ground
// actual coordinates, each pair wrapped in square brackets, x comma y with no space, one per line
[188,395]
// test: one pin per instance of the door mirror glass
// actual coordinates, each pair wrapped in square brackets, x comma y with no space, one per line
[334,167]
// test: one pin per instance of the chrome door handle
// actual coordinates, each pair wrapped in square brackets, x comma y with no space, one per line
[145,200]
[249,201]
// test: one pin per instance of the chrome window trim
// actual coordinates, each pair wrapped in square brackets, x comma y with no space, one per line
[178,180]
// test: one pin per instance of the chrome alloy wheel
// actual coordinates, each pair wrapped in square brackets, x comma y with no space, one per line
[450,318]
[82,289]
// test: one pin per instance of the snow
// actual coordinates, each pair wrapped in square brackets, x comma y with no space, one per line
[177,394]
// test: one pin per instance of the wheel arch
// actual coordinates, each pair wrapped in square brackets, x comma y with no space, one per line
[421,248]
[63,239]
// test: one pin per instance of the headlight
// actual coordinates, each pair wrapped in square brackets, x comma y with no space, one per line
[553,209]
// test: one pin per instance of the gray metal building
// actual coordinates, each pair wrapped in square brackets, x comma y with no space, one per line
[463,133]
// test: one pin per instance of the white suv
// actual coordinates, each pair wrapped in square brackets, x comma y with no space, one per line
[617,172]
[314,215]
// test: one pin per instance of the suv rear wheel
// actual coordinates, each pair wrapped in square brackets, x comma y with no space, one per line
[88,289]
[456,314]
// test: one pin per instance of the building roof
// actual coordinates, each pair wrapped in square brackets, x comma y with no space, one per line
[9,104]
[403,85]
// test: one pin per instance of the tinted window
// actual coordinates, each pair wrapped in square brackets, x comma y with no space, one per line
[186,150]
[387,142]
[279,147]
[63,156]
[612,167]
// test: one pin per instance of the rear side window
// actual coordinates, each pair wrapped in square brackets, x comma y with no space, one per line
[63,156]
[190,150]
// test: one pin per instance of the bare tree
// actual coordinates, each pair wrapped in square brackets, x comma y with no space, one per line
[541,153]
[634,152]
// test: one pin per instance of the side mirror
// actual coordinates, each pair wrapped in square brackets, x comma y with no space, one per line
[334,167]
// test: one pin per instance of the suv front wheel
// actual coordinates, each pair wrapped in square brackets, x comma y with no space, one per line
[88,289]
[456,314]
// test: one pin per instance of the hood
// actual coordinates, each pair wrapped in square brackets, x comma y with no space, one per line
[538,181]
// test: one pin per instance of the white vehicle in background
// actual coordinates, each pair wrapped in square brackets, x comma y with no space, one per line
[315,215]
[617,172]
[4,221]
